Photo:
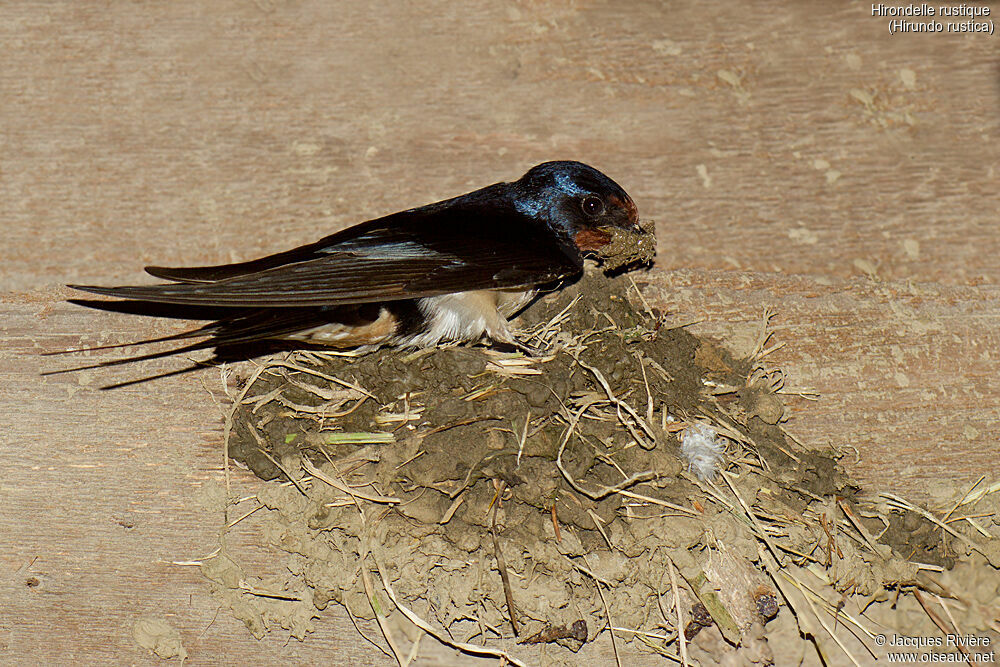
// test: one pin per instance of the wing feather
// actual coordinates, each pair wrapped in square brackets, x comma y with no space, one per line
[477,241]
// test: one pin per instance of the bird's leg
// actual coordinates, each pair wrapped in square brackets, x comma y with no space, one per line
[528,350]
[505,341]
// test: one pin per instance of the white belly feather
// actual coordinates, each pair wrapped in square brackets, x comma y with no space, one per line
[457,317]
[468,316]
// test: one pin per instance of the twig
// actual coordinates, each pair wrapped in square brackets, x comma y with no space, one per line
[869,540]
[363,635]
[597,524]
[308,466]
[370,592]
[607,612]
[524,438]
[642,297]
[463,422]
[227,431]
[437,634]
[280,467]
[450,512]
[939,622]
[681,639]
[413,651]
[501,564]
[964,496]
[750,515]
[604,490]
[900,503]
[827,606]
[329,378]
[236,521]
[622,405]
[656,501]
[774,569]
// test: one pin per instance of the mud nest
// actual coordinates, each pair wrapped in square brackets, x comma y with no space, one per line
[631,477]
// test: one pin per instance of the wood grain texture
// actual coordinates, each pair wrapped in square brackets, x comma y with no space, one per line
[795,156]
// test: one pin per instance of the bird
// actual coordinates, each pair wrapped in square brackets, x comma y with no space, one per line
[451,271]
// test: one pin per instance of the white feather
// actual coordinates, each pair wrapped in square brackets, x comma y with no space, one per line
[703,449]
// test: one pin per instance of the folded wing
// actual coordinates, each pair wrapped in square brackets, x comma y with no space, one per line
[473,242]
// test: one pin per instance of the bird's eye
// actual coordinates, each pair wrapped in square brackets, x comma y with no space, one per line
[592,205]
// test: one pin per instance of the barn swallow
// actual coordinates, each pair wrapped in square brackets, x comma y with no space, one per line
[451,271]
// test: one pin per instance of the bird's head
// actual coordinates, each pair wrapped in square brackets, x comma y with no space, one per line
[578,202]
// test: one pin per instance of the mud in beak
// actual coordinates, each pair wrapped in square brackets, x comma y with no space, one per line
[627,247]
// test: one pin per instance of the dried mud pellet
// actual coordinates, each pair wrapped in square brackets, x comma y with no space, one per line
[767,603]
[699,614]
[700,618]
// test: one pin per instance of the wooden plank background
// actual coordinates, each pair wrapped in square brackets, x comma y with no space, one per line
[796,157]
